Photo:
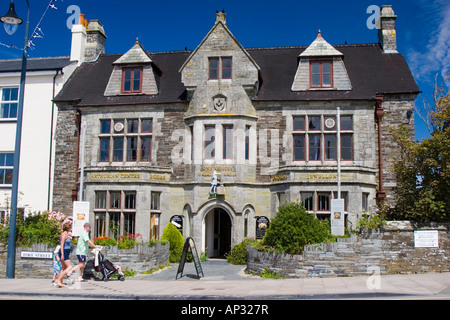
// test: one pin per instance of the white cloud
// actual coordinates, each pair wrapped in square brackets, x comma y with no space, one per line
[434,56]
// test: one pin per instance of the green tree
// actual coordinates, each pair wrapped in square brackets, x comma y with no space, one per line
[423,169]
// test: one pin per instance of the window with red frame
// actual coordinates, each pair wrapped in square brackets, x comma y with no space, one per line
[321,74]
[132,80]
[220,68]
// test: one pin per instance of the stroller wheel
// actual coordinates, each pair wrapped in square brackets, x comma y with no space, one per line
[122,278]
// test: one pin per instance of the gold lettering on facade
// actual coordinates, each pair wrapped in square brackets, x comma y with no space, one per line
[280,177]
[159,177]
[224,171]
[102,176]
[321,176]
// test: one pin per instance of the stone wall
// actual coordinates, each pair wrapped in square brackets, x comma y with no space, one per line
[140,258]
[389,251]
[66,159]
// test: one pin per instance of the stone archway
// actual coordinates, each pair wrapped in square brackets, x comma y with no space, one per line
[217,229]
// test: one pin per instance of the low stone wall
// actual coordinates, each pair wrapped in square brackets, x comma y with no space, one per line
[387,251]
[140,258]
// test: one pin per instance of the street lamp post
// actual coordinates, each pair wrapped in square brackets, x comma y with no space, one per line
[11,21]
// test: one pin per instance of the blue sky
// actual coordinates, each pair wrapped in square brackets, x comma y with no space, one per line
[423,27]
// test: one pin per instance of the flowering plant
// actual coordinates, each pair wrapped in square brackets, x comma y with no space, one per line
[129,240]
[105,241]
[59,218]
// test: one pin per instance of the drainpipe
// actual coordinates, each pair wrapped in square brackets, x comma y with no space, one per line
[50,165]
[78,124]
[379,112]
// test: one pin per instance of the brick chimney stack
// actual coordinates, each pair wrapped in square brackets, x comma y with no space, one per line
[386,34]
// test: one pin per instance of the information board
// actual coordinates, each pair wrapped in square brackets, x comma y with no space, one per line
[80,217]
[337,217]
[426,239]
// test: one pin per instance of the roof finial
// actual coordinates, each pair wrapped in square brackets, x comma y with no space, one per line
[137,40]
[319,35]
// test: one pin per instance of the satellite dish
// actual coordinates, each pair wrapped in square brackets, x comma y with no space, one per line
[118,126]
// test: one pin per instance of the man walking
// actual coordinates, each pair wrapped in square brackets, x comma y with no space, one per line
[83,249]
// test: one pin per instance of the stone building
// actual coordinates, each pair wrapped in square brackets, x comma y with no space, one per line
[262,121]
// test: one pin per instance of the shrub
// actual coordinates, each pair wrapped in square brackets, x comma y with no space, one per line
[374,220]
[238,254]
[39,227]
[293,228]
[175,237]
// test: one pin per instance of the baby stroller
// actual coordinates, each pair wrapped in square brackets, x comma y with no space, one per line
[106,267]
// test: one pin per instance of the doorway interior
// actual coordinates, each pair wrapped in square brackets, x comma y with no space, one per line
[218,233]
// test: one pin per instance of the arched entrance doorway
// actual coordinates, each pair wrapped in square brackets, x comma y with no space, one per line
[218,232]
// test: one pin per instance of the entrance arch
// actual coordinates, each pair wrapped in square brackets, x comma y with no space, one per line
[217,229]
[217,233]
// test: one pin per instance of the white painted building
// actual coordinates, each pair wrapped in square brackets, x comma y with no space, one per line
[44,79]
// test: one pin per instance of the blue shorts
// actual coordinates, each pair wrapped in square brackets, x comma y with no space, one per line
[81,258]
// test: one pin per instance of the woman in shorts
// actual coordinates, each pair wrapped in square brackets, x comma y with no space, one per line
[66,264]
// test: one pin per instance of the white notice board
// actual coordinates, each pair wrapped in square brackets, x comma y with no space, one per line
[80,217]
[337,217]
[426,239]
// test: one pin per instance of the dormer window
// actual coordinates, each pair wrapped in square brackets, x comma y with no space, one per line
[220,68]
[321,74]
[132,80]
[321,67]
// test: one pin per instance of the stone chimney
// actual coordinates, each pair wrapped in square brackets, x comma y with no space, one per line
[386,34]
[221,16]
[88,40]
[96,37]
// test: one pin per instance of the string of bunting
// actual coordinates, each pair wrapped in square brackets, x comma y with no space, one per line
[37,32]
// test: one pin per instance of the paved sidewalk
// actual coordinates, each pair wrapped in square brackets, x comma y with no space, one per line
[230,283]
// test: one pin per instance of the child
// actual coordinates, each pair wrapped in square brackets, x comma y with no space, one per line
[56,264]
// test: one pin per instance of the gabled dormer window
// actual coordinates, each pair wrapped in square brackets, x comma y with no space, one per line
[321,74]
[132,80]
[220,68]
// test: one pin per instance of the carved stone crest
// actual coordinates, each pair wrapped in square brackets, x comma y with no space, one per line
[220,102]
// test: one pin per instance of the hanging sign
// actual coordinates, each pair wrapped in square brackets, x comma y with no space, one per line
[177,221]
[262,223]
[189,244]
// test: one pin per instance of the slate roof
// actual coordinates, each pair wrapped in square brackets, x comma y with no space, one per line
[34,64]
[370,70]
